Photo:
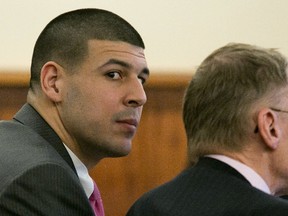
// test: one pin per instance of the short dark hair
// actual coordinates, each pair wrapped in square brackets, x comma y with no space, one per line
[64,39]
[226,86]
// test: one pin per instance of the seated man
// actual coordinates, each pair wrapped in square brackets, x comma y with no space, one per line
[236,119]
[84,104]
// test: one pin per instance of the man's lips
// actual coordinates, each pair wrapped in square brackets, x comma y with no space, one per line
[132,122]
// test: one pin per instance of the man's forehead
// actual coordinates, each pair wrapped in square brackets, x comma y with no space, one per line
[115,47]
[109,53]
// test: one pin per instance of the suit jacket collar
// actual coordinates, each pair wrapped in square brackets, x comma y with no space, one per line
[28,116]
[214,164]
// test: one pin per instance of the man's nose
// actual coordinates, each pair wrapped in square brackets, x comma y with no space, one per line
[136,95]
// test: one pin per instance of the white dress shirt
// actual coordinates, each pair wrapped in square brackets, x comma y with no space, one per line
[82,172]
[253,177]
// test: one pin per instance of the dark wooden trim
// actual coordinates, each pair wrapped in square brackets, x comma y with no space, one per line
[14,79]
[160,80]
[171,80]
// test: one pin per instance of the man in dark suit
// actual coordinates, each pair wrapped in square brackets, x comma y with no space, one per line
[84,104]
[236,119]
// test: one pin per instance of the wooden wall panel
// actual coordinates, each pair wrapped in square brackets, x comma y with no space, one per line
[159,147]
[13,91]
[11,99]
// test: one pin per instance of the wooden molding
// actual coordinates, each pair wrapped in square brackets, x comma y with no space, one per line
[171,80]
[158,80]
[14,79]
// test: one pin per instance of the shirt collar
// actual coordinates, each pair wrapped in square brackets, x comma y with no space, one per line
[82,172]
[253,177]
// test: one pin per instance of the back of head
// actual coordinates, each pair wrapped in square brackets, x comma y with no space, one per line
[219,100]
[65,39]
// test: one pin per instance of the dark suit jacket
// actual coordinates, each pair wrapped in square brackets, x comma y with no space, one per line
[210,188]
[37,175]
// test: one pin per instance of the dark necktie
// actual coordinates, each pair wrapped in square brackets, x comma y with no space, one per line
[96,202]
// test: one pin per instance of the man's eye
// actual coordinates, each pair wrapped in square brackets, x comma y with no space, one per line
[114,75]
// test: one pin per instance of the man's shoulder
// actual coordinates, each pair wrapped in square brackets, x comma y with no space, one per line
[21,149]
[204,189]
[15,137]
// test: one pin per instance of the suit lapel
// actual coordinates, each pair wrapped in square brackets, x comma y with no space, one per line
[28,116]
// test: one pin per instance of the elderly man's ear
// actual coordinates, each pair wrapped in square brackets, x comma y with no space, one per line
[269,128]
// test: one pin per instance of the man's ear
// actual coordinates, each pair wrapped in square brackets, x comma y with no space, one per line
[51,79]
[269,128]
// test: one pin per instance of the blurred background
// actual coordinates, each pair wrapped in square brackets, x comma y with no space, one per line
[178,36]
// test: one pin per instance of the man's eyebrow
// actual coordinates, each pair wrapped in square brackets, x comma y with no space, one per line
[118,62]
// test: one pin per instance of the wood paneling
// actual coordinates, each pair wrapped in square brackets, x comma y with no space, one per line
[13,91]
[11,99]
[159,147]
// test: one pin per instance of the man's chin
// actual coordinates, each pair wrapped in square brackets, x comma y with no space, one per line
[116,154]
[119,152]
